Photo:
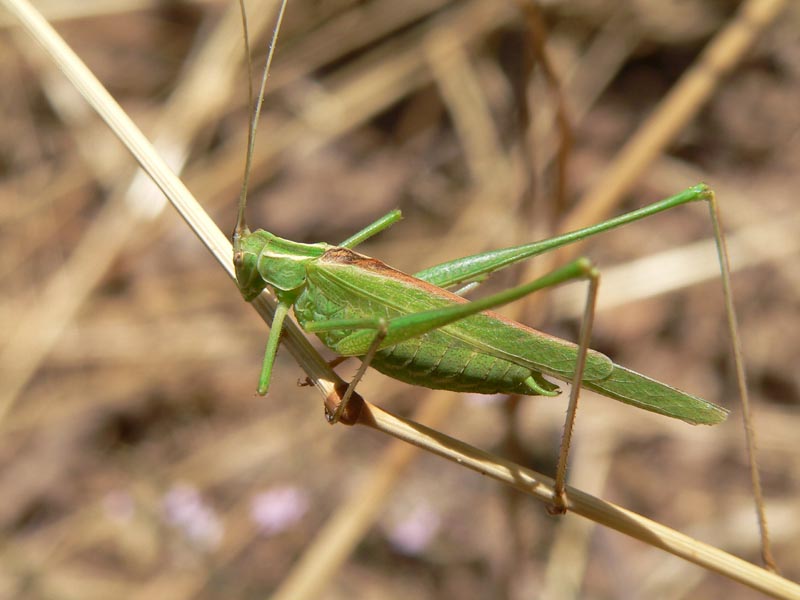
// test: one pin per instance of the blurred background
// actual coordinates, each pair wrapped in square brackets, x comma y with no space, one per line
[138,461]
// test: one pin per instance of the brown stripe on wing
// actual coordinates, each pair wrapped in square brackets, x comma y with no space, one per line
[345,256]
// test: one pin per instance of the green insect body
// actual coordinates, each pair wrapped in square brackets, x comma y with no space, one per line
[472,355]
[332,289]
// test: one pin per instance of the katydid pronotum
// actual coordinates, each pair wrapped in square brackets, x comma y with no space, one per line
[415,330]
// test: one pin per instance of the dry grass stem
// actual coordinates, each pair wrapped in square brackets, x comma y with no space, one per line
[132,203]
[683,102]
[136,374]
[172,187]
[541,487]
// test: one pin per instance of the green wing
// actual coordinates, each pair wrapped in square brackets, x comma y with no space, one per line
[637,390]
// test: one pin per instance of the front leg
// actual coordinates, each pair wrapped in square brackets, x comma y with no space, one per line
[272,347]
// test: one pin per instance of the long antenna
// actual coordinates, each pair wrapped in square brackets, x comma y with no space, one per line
[241,224]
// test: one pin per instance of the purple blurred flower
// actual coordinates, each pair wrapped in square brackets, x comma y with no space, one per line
[416,531]
[278,509]
[185,509]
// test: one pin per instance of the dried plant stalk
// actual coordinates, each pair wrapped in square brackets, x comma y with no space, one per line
[532,483]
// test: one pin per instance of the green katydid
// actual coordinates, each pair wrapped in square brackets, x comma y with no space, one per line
[434,338]
[415,330]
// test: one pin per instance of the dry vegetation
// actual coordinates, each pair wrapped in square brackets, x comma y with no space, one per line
[135,458]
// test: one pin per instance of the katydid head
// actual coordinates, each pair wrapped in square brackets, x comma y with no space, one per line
[245,261]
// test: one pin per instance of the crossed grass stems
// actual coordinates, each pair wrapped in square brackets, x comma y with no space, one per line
[323,377]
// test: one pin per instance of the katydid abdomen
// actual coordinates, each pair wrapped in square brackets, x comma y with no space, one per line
[435,360]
